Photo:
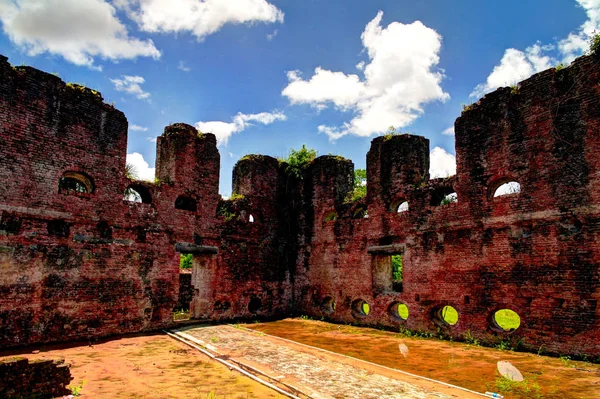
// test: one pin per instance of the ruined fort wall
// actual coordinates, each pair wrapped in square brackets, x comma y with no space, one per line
[535,252]
[80,265]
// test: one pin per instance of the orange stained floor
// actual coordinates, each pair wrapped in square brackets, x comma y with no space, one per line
[468,366]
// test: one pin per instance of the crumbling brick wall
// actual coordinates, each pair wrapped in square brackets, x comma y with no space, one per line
[535,252]
[21,378]
[79,265]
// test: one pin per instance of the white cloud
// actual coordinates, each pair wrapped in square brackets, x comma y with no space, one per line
[142,170]
[240,122]
[271,36]
[182,66]
[517,65]
[441,163]
[449,131]
[361,66]
[78,30]
[131,85]
[138,128]
[578,42]
[399,78]
[151,139]
[199,17]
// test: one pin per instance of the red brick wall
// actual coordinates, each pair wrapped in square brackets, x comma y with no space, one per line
[21,378]
[89,265]
[79,266]
[536,252]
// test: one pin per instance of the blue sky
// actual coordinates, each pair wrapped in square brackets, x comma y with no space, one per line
[270,75]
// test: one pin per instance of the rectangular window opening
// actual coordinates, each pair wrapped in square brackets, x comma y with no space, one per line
[388,270]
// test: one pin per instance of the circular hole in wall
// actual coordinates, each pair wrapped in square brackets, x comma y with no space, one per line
[328,305]
[222,306]
[506,320]
[255,305]
[360,308]
[398,311]
[447,315]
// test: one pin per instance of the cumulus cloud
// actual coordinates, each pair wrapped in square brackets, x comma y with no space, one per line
[77,30]
[449,131]
[142,169]
[199,17]
[578,42]
[517,65]
[131,85]
[441,163]
[240,122]
[400,77]
[138,128]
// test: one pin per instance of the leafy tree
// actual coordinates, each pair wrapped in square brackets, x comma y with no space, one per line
[298,160]
[185,261]
[595,43]
[360,184]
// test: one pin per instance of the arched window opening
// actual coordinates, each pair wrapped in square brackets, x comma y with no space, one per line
[399,206]
[451,198]
[75,183]
[137,193]
[250,219]
[185,203]
[403,207]
[506,320]
[443,196]
[512,187]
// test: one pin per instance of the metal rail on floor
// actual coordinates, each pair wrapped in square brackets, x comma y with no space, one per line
[249,371]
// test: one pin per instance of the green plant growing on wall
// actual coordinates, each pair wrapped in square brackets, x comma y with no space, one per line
[390,133]
[594,43]
[298,160]
[131,171]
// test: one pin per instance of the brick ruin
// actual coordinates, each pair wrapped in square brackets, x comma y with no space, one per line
[79,261]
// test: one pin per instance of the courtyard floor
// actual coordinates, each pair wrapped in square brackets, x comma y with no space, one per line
[319,359]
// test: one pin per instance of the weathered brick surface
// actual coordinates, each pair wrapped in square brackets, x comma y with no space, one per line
[20,378]
[84,265]
[536,252]
[74,266]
